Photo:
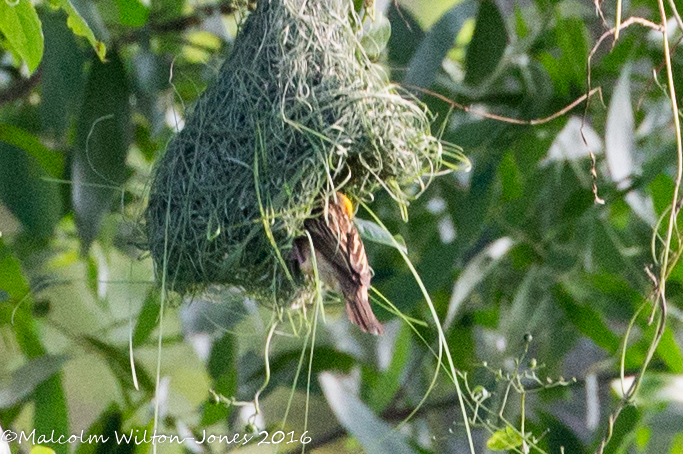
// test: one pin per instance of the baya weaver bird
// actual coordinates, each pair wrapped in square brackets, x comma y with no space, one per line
[340,258]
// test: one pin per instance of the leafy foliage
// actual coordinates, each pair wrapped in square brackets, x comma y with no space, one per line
[549,264]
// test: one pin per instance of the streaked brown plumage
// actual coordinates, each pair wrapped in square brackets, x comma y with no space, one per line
[340,258]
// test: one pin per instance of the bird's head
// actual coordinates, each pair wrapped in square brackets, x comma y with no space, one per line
[345,204]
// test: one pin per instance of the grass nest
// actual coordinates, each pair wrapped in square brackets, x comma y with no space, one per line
[297,112]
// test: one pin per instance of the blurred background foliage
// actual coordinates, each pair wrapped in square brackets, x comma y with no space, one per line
[535,282]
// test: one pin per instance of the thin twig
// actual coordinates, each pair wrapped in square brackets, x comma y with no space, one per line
[679,156]
[659,293]
[679,21]
[613,31]
[182,23]
[627,23]
[394,413]
[656,71]
[515,121]
[20,87]
[598,11]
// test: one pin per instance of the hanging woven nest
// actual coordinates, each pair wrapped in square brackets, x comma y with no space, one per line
[297,112]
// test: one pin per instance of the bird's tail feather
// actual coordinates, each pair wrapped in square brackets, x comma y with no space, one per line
[359,312]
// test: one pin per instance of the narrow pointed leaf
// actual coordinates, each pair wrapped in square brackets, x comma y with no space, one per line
[375,435]
[19,23]
[503,440]
[132,13]
[23,189]
[371,231]
[619,131]
[427,60]
[24,380]
[475,272]
[99,164]
[80,27]
[49,160]
[488,44]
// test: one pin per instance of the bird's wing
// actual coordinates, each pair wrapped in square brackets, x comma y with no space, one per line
[338,240]
[356,255]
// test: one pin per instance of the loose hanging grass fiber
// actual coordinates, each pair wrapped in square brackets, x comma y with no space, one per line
[297,112]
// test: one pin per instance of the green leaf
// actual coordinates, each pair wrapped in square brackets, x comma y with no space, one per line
[119,364]
[24,380]
[13,283]
[215,411]
[487,46]
[677,444]
[376,35]
[20,24]
[62,78]
[148,318]
[504,439]
[99,164]
[572,37]
[132,13]
[521,28]
[51,413]
[383,385]
[51,161]
[630,419]
[42,450]
[372,232]
[661,189]
[510,179]
[669,352]
[283,366]
[222,368]
[568,69]
[405,38]
[221,365]
[165,10]
[475,271]
[587,321]
[558,436]
[80,27]
[375,435]
[103,433]
[34,201]
[428,58]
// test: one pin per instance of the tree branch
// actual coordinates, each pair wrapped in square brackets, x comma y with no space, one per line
[225,7]
[20,87]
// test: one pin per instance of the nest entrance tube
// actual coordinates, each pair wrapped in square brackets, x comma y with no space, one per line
[297,112]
